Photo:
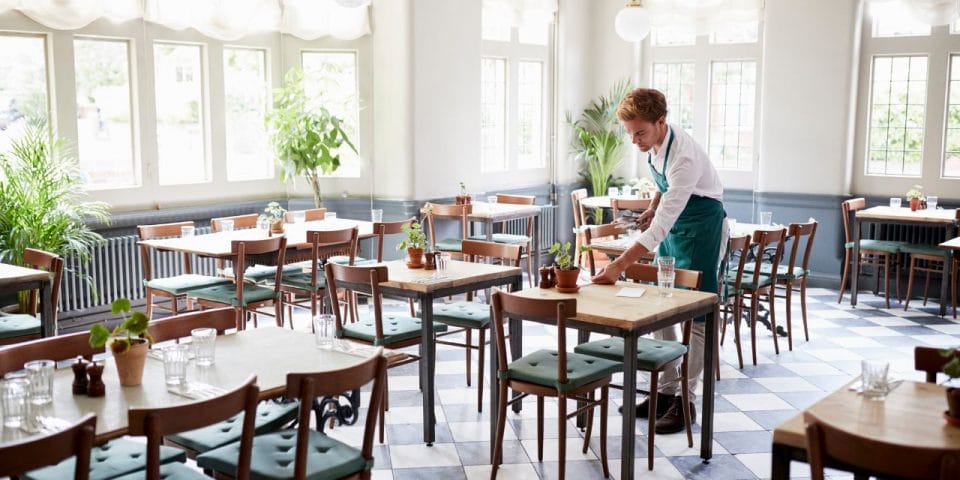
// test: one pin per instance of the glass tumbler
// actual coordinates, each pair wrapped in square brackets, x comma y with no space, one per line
[40,375]
[204,345]
[175,359]
[874,382]
[665,276]
[13,396]
[323,330]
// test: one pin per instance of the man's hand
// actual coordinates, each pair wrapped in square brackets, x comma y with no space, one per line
[645,219]
[607,276]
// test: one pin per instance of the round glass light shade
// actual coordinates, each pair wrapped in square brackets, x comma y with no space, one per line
[632,24]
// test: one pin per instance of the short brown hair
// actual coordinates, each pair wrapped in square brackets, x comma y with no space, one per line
[643,103]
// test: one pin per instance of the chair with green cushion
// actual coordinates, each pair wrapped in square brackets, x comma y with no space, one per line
[26,326]
[312,284]
[108,461]
[437,211]
[253,273]
[176,287]
[41,450]
[515,239]
[877,253]
[731,290]
[549,373]
[246,297]
[304,452]
[754,285]
[469,315]
[929,259]
[654,355]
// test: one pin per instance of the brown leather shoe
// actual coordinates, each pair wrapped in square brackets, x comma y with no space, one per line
[663,404]
[672,421]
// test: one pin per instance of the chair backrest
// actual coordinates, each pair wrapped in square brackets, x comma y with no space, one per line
[930,361]
[632,204]
[365,275]
[519,200]
[324,243]
[179,326]
[846,208]
[556,311]
[310,215]
[51,262]
[480,251]
[308,386]
[154,423]
[828,445]
[269,251]
[593,232]
[436,209]
[240,222]
[575,197]
[382,229]
[738,247]
[646,273]
[801,235]
[59,348]
[763,240]
[160,230]
[34,452]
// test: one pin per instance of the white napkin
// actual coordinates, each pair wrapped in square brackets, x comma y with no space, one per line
[196,390]
[631,292]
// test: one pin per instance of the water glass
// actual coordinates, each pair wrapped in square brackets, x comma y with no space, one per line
[492,199]
[874,382]
[263,224]
[204,344]
[323,330]
[376,215]
[226,225]
[40,375]
[175,359]
[186,231]
[895,202]
[13,395]
[613,192]
[665,276]
[443,261]
[626,191]
[299,216]
[766,218]
[330,216]
[932,202]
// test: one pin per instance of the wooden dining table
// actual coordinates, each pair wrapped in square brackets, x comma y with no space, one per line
[600,310]
[16,279]
[911,415]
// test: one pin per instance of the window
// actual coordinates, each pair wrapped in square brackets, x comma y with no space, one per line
[181,137]
[894,19]
[951,160]
[245,93]
[665,37]
[331,81]
[676,81]
[897,110]
[493,113]
[23,84]
[104,123]
[732,107]
[530,132]
[736,33]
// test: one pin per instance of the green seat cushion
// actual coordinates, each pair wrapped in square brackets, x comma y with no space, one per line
[450,245]
[271,416]
[540,367]
[396,328]
[746,283]
[878,245]
[115,458]
[170,471]
[462,314]
[181,284]
[227,294]
[259,273]
[503,238]
[782,271]
[345,260]
[18,325]
[303,281]
[924,249]
[274,455]
[652,354]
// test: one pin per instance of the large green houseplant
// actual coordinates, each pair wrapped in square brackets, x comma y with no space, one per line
[598,140]
[306,137]
[43,204]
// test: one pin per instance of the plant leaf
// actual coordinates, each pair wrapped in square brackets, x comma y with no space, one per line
[136,324]
[98,335]
[120,305]
[120,345]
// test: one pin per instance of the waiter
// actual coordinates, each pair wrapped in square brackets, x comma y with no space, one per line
[684,221]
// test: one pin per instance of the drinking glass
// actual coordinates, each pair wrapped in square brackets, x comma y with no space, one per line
[895,202]
[443,261]
[492,199]
[299,216]
[226,225]
[204,345]
[626,191]
[613,192]
[13,395]
[330,216]
[766,218]
[40,375]
[186,231]
[323,330]
[263,224]
[665,276]
[376,215]
[175,363]
[932,202]
[873,378]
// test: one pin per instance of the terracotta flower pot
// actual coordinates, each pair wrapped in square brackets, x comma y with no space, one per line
[415,257]
[464,199]
[566,279]
[276,227]
[130,364]
[914,204]
[953,402]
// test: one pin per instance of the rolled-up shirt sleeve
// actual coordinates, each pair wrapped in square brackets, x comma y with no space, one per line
[682,177]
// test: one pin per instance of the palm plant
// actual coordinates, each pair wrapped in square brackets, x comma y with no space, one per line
[598,140]
[42,200]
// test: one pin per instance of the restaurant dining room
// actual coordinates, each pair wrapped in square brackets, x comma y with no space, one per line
[479,239]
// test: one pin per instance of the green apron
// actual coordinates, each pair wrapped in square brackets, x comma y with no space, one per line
[694,240]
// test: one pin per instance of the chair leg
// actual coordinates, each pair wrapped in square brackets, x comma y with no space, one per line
[723,328]
[953,287]
[753,325]
[846,271]
[773,318]
[481,367]
[685,398]
[789,294]
[501,423]
[651,417]
[803,306]
[149,312]
[896,268]
[278,311]
[886,279]
[589,430]
[716,361]
[926,286]
[604,405]
[175,305]
[467,344]
[562,435]
[737,312]
[910,272]
[540,428]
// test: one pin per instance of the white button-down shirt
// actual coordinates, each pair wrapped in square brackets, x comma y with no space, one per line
[689,172]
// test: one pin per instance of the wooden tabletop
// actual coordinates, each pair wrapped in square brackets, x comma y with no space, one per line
[953,244]
[484,211]
[218,244]
[741,229]
[946,215]
[912,414]
[269,353]
[457,274]
[11,276]
[598,304]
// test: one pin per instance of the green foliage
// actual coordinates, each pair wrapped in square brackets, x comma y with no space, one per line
[306,138]
[415,238]
[273,212]
[598,140]
[951,368]
[563,259]
[463,189]
[915,191]
[133,327]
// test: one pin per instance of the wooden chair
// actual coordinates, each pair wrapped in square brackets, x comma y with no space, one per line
[831,445]
[58,349]
[240,222]
[468,315]
[593,232]
[513,239]
[253,273]
[929,259]
[176,287]
[549,373]
[247,298]
[578,221]
[381,230]
[310,215]
[451,245]
[312,285]
[877,253]
[303,452]
[637,205]
[19,457]
[758,284]
[930,361]
[26,326]
[179,326]
[731,290]
[653,355]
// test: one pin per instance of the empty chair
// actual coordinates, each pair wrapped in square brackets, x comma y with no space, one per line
[523,240]
[76,440]
[253,273]
[59,348]
[180,326]
[877,253]
[731,290]
[929,259]
[25,326]
[930,361]
[576,197]
[458,212]
[313,284]
[240,222]
[754,285]
[309,215]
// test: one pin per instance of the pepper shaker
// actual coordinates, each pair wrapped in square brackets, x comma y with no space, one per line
[95,388]
[80,381]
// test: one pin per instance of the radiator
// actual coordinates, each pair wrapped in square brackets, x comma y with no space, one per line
[922,234]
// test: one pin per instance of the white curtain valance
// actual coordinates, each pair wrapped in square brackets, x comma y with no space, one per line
[226,20]
[927,12]
[522,13]
[702,16]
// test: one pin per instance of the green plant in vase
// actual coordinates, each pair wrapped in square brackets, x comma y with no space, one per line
[915,197]
[463,198]
[128,341]
[414,241]
[273,214]
[565,269]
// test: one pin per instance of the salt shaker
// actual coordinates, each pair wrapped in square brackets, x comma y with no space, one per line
[95,388]
[80,381]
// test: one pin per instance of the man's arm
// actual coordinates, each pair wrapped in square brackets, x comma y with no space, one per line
[611,273]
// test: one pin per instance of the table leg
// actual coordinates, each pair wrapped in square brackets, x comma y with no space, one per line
[48,326]
[780,466]
[494,395]
[427,367]
[709,384]
[945,275]
[583,336]
[629,435]
[535,251]
[855,262]
[516,351]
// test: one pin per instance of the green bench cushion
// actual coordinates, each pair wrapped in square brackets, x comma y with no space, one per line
[540,367]
[274,455]
[227,294]
[508,238]
[182,284]
[259,273]
[782,271]
[18,325]
[652,354]
[303,281]
[878,245]
[396,328]
[462,314]
[271,416]
[746,283]
[170,471]
[450,245]
[924,249]
[345,260]
[111,460]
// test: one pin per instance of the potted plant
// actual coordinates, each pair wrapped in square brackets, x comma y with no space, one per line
[306,138]
[414,243]
[952,370]
[915,195]
[273,214]
[129,341]
[463,198]
[565,271]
